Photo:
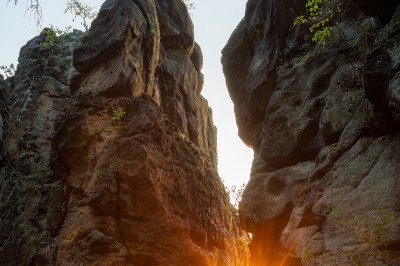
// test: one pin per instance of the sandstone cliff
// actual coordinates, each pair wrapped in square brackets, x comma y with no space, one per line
[109,151]
[324,124]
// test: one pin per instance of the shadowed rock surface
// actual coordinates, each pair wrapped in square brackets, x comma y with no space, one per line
[109,150]
[324,124]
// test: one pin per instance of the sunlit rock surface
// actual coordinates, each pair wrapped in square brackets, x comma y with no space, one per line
[109,150]
[324,124]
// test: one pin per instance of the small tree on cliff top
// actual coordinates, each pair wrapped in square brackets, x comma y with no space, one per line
[320,15]
[75,7]
[189,4]
[80,10]
[34,7]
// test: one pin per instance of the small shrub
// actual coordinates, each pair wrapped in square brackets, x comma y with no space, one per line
[182,135]
[163,118]
[85,12]
[34,7]
[190,5]
[320,15]
[235,194]
[9,70]
[54,36]
[117,117]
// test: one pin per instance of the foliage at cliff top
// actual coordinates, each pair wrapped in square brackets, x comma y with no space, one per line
[77,8]
[190,5]
[80,10]
[9,70]
[320,15]
[34,7]
[54,36]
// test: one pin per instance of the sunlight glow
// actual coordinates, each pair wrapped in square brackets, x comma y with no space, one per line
[214,22]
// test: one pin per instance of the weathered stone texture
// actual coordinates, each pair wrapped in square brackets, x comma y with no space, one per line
[324,122]
[32,199]
[110,150]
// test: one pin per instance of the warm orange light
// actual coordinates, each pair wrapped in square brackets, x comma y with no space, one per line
[285,258]
[266,250]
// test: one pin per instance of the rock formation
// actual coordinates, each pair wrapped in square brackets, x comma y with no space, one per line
[324,124]
[109,151]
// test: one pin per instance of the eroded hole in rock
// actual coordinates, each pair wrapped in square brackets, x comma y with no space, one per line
[275,186]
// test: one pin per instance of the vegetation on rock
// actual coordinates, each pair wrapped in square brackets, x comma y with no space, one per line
[80,10]
[9,70]
[320,15]
[35,9]
[75,7]
[235,194]
[117,117]
[189,4]
[54,36]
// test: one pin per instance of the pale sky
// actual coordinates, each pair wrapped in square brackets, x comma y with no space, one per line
[214,21]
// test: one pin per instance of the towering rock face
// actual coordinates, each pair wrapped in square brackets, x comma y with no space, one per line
[324,124]
[109,148]
[32,198]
